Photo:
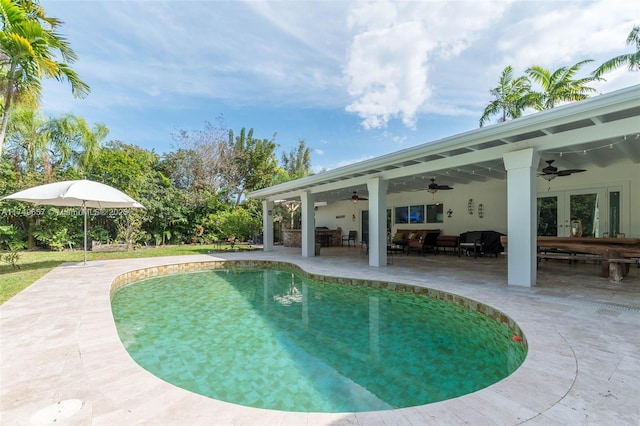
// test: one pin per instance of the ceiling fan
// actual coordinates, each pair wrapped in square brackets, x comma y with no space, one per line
[434,187]
[551,172]
[355,197]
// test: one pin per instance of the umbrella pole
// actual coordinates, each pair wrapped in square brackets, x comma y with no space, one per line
[85,232]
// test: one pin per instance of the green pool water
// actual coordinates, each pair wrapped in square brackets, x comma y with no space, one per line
[275,339]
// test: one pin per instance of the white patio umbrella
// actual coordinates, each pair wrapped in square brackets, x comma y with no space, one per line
[77,193]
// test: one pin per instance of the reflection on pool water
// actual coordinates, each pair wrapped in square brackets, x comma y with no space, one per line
[276,339]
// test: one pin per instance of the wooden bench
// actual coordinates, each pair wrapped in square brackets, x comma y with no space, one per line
[561,254]
[447,241]
[570,256]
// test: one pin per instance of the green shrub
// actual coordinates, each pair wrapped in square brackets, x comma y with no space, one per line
[56,240]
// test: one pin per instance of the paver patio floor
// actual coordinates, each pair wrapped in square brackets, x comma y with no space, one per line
[60,349]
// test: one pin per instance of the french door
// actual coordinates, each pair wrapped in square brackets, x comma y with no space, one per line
[589,213]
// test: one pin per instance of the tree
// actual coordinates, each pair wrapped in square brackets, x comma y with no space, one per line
[29,49]
[238,223]
[631,59]
[80,143]
[559,86]
[202,159]
[54,144]
[134,171]
[28,137]
[188,172]
[297,163]
[254,163]
[510,97]
[123,166]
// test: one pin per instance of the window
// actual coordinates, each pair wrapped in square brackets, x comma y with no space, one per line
[416,214]
[402,214]
[435,213]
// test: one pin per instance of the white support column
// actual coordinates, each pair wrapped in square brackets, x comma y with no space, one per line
[521,216]
[377,188]
[267,225]
[308,224]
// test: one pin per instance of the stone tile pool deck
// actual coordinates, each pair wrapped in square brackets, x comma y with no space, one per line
[58,342]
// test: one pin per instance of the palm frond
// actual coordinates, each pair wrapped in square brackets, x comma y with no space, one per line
[632,59]
[634,37]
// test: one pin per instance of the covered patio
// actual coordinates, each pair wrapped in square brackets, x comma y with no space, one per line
[499,165]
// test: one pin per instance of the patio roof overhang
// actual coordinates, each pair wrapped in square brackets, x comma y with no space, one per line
[597,132]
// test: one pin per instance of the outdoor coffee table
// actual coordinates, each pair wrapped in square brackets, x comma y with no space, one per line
[476,246]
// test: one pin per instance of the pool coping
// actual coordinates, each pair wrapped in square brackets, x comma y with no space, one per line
[88,362]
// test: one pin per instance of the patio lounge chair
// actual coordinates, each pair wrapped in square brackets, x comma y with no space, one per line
[480,242]
[426,240]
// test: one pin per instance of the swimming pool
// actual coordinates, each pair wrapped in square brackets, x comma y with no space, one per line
[275,338]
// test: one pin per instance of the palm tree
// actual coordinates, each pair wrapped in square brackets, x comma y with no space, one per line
[29,49]
[27,138]
[632,59]
[510,97]
[559,85]
[74,142]
[49,145]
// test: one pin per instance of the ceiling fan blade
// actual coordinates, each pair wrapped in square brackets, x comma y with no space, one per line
[570,171]
[355,197]
[550,170]
[433,186]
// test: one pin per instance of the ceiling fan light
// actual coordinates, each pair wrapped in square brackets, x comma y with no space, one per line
[549,177]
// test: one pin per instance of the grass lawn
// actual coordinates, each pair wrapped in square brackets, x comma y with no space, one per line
[35,264]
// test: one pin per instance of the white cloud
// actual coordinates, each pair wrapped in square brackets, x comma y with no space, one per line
[387,74]
[394,138]
[396,44]
[567,32]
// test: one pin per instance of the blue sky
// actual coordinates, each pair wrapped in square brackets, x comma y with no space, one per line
[353,79]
